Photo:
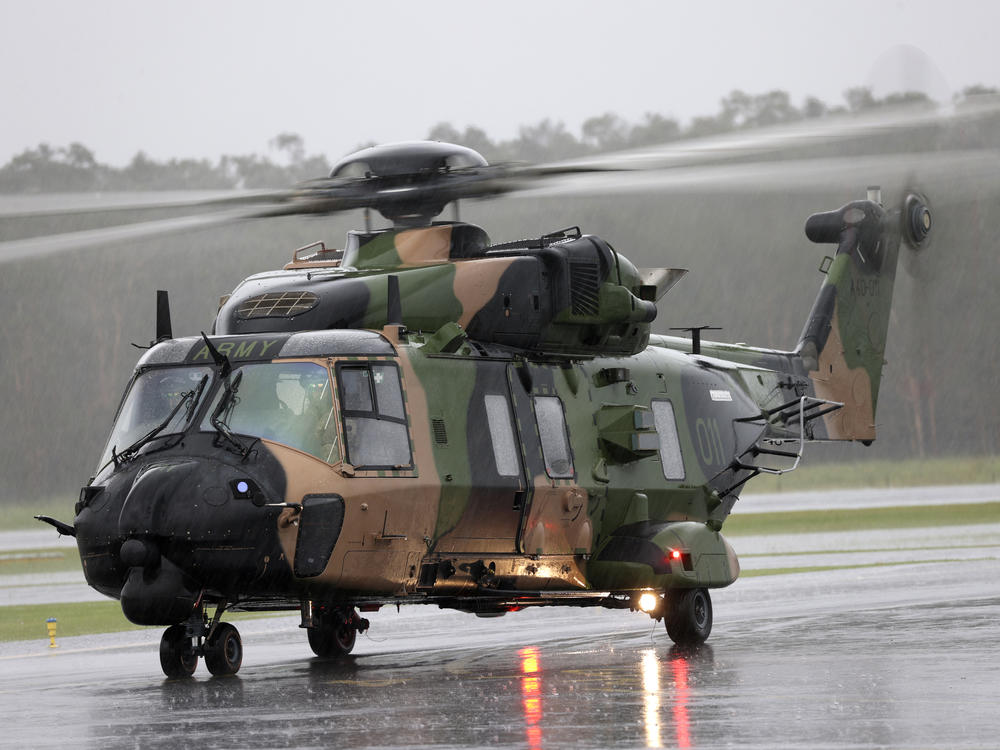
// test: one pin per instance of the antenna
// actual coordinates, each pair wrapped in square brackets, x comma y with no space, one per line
[696,335]
[164,330]
[394,306]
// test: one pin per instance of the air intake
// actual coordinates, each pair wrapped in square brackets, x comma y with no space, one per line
[440,433]
[584,287]
[277,305]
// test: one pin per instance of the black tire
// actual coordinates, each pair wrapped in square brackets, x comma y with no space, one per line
[177,657]
[689,616]
[224,651]
[333,636]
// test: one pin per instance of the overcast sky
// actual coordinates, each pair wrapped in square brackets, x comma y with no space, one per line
[204,78]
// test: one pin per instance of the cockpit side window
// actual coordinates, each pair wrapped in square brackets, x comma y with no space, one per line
[355,389]
[375,426]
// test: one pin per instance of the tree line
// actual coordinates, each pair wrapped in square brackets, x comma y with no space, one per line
[75,167]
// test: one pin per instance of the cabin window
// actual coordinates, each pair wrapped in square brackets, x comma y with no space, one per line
[375,429]
[552,432]
[502,435]
[670,446]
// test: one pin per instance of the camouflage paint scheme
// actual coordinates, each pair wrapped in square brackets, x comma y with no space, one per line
[568,318]
[574,296]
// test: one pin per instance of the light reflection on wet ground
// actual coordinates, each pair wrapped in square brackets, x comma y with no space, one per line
[808,660]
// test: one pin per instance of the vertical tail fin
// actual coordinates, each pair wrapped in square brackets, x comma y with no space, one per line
[843,343]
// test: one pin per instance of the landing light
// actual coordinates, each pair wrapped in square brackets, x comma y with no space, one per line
[649,602]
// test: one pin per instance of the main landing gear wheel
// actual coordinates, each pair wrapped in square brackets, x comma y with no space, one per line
[689,616]
[334,632]
[177,655]
[224,651]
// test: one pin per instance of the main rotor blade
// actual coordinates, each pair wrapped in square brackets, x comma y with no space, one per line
[964,172]
[753,144]
[35,247]
[54,204]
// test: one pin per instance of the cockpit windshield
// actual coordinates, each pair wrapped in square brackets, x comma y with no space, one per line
[154,401]
[287,402]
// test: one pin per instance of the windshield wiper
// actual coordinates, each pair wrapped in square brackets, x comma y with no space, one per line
[129,453]
[224,405]
[197,399]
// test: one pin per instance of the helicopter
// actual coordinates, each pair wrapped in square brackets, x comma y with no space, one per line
[427,417]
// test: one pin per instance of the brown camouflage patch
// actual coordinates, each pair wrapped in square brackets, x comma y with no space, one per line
[833,380]
[424,245]
[557,522]
[476,284]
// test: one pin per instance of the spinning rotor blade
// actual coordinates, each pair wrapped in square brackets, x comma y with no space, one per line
[791,140]
[965,173]
[36,247]
[802,156]
[88,203]
[957,150]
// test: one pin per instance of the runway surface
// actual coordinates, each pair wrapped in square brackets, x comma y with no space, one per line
[898,652]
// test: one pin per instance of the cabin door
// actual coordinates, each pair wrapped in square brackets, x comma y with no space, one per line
[554,520]
[489,503]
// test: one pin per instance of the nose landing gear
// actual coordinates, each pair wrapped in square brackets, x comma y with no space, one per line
[224,650]
[178,657]
[219,643]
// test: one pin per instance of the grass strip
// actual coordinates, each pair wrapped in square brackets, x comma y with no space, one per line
[19,516]
[27,622]
[54,560]
[856,519]
[882,473]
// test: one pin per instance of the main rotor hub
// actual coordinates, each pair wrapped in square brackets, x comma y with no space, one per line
[407,159]
[410,183]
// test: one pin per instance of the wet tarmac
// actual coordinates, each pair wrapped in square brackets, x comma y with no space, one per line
[901,656]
